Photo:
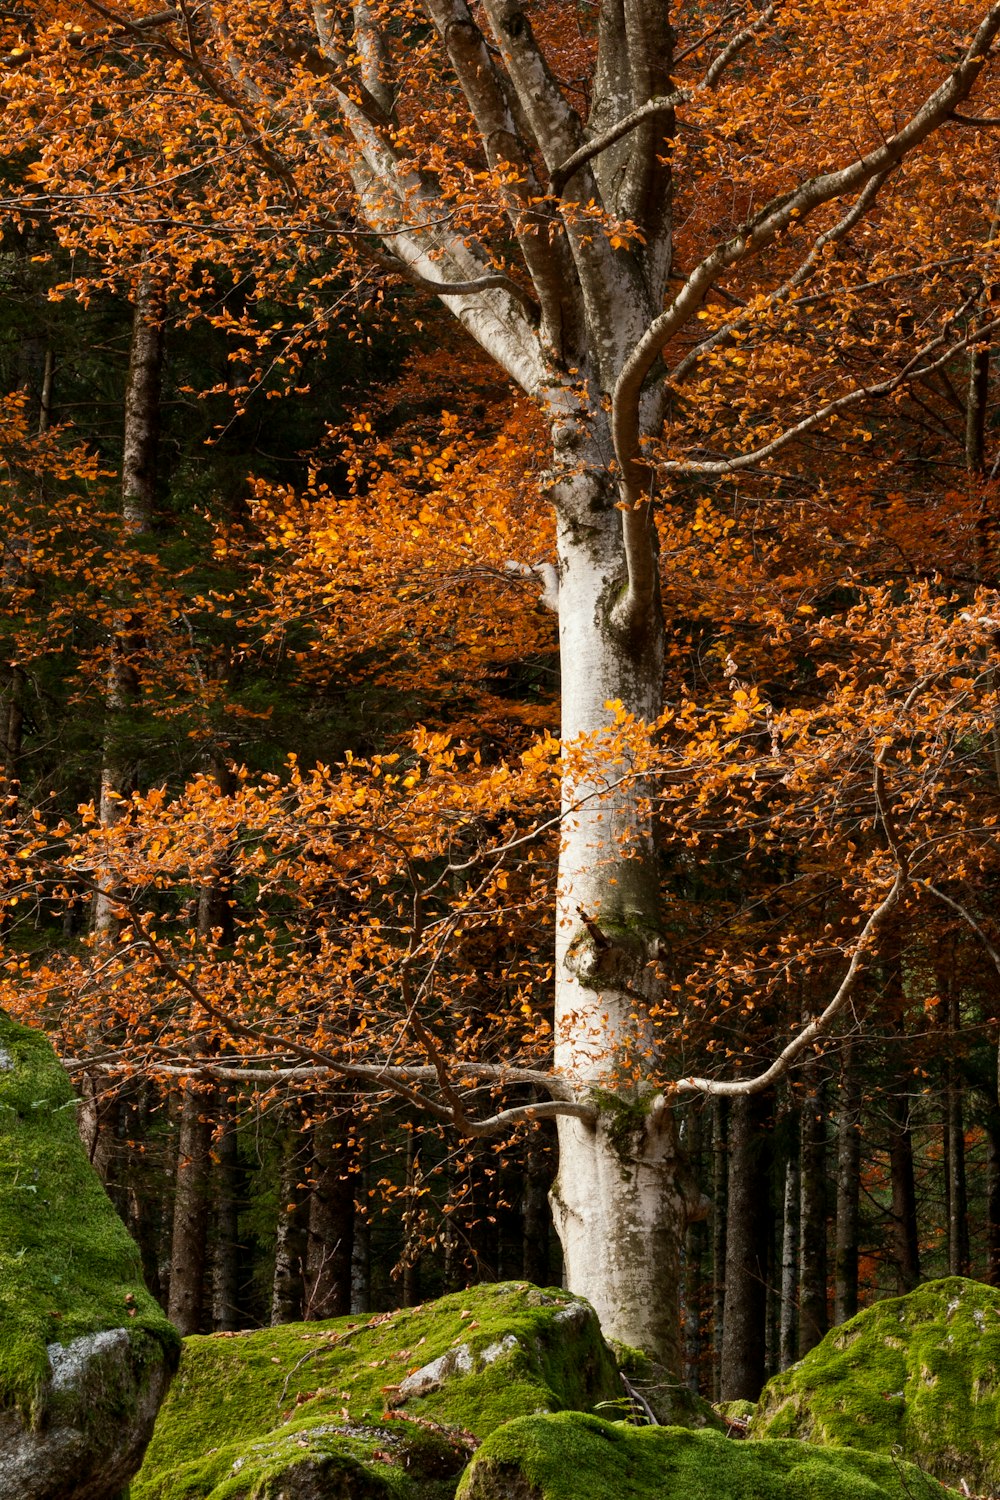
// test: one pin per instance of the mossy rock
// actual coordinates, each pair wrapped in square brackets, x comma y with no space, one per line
[85,1352]
[916,1375]
[390,1406]
[570,1456]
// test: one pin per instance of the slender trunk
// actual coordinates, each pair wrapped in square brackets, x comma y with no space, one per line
[226,1260]
[535,1220]
[958,1202]
[189,1239]
[331,1221]
[288,1287]
[720,1185]
[694,1259]
[813,1309]
[848,1191]
[361,1264]
[411,1223]
[618,1202]
[905,1240]
[138,491]
[993,1199]
[747,1248]
[789,1332]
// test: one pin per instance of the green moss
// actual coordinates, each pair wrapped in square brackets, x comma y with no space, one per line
[918,1375]
[67,1264]
[574,1457]
[512,1349]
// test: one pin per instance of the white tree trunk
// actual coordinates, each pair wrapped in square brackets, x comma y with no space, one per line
[619,1202]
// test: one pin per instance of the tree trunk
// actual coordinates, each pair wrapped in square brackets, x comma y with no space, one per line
[331,1221]
[189,1240]
[361,1264]
[720,1190]
[813,1310]
[993,1199]
[958,1198]
[788,1336]
[905,1241]
[288,1287]
[848,1191]
[226,1261]
[748,1237]
[535,1222]
[618,1203]
[138,492]
[694,1257]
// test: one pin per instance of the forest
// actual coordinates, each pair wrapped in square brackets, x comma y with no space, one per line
[499,679]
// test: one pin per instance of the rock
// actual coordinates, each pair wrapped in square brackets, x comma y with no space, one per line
[390,1406]
[570,1456]
[916,1375]
[85,1353]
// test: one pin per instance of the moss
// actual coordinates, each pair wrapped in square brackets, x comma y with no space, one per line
[624,1116]
[918,1375]
[570,1456]
[67,1265]
[511,1349]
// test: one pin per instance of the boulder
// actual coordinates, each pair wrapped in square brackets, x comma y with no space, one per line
[917,1376]
[570,1456]
[85,1353]
[372,1407]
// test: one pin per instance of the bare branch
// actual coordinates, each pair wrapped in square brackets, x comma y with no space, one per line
[665,104]
[732,1088]
[773,219]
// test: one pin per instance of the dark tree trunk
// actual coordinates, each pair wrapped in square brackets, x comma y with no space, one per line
[694,1258]
[814,1317]
[331,1221]
[288,1287]
[905,1240]
[361,1260]
[993,1200]
[226,1264]
[848,1191]
[535,1217]
[720,1174]
[957,1190]
[189,1240]
[748,1235]
[788,1337]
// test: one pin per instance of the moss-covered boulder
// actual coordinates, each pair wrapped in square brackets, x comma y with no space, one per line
[389,1406]
[574,1457]
[916,1375]
[85,1353]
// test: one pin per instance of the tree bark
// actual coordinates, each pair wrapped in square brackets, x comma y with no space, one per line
[813,1308]
[848,1191]
[720,1193]
[905,1239]
[749,1224]
[226,1260]
[694,1258]
[288,1286]
[331,1221]
[789,1330]
[618,1202]
[189,1240]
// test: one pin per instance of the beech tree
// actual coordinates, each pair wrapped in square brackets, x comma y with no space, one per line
[672,229]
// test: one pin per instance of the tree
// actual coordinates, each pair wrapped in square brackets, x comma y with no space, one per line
[631,215]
